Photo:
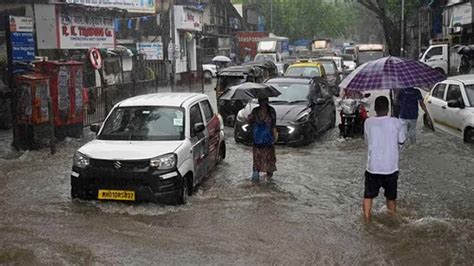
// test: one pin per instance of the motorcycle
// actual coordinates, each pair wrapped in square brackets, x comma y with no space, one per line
[353,114]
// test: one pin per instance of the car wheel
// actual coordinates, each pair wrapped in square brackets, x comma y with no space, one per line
[469,135]
[309,135]
[222,152]
[183,195]
[428,122]
[333,121]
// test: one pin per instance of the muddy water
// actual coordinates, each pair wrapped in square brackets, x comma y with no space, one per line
[309,213]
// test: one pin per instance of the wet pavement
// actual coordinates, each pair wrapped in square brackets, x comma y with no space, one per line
[309,214]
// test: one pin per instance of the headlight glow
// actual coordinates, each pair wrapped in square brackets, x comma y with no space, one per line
[164,162]
[290,129]
[245,127]
[80,160]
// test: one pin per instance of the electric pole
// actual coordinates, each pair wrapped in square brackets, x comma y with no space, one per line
[402,31]
[173,47]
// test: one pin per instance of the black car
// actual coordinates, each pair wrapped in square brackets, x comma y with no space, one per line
[332,75]
[304,109]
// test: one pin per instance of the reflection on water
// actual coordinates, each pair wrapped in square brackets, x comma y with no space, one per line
[309,213]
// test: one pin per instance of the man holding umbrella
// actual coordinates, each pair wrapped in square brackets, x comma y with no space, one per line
[384,134]
[409,99]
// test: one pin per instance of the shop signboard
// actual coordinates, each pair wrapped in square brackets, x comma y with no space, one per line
[461,15]
[77,30]
[132,6]
[21,39]
[151,50]
[187,19]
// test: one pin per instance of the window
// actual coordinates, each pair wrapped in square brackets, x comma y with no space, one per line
[207,109]
[470,94]
[195,116]
[438,92]
[303,71]
[454,93]
[329,68]
[434,51]
[144,123]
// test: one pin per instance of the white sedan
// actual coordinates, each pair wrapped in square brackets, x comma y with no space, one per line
[450,106]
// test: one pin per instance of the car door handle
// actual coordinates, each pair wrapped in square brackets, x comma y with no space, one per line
[429,102]
[444,107]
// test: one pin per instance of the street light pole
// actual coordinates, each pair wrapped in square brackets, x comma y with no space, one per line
[402,31]
[173,45]
[271,16]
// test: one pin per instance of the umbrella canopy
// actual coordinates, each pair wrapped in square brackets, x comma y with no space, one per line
[221,58]
[391,73]
[248,91]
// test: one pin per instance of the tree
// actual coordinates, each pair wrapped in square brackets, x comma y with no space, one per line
[388,12]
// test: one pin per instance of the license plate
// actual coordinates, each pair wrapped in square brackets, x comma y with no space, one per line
[105,194]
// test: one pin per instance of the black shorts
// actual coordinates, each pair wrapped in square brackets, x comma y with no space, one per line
[373,183]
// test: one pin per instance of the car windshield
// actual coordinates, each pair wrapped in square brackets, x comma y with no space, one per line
[329,68]
[470,94]
[363,57]
[303,71]
[336,61]
[265,57]
[291,93]
[347,57]
[144,123]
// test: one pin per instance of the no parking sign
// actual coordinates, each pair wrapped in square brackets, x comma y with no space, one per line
[95,58]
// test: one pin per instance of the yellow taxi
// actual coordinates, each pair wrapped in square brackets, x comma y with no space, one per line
[306,68]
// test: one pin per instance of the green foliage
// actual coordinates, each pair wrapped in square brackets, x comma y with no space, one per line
[307,18]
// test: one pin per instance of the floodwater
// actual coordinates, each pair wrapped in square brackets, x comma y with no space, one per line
[309,214]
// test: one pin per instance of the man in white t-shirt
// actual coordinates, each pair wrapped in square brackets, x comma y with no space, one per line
[383,135]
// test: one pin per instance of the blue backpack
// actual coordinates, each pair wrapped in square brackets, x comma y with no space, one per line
[262,134]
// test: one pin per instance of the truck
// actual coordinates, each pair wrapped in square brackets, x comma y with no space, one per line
[368,52]
[274,48]
[442,56]
[247,44]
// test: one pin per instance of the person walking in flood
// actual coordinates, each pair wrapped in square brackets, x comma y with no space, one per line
[383,135]
[262,120]
[409,99]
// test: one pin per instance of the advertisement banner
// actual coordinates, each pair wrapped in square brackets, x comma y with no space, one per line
[22,41]
[151,50]
[132,6]
[187,19]
[83,31]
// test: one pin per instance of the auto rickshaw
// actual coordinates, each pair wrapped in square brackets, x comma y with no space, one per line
[250,72]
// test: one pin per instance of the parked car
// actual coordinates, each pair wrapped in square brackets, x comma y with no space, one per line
[304,110]
[154,147]
[450,107]
[209,71]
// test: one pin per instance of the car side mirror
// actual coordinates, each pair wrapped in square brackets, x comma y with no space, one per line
[456,104]
[198,128]
[367,95]
[95,128]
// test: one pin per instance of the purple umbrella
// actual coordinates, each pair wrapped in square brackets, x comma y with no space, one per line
[391,73]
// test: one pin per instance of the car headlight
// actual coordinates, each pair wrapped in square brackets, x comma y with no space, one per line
[164,162]
[241,117]
[303,117]
[80,160]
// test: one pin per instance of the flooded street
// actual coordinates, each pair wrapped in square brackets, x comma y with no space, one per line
[309,214]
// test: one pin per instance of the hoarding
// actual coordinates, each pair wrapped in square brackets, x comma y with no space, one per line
[22,41]
[132,6]
[187,19]
[151,50]
[83,31]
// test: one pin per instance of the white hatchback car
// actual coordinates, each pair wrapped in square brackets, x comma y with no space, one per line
[154,147]
[450,106]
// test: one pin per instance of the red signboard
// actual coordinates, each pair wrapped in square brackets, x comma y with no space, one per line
[248,41]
